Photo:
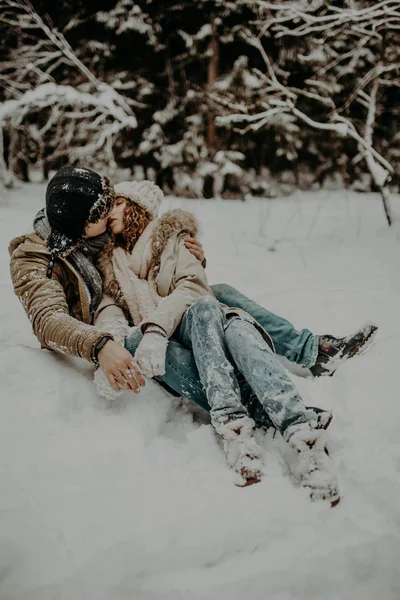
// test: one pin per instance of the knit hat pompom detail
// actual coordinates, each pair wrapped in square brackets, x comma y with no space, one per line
[145,193]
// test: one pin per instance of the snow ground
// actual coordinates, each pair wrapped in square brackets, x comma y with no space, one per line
[134,500]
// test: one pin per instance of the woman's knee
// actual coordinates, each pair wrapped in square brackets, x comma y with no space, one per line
[206,307]
[233,327]
[238,329]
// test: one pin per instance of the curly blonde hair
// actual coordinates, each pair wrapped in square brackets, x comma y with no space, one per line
[136,219]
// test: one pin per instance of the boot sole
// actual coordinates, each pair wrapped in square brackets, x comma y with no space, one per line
[365,345]
[248,482]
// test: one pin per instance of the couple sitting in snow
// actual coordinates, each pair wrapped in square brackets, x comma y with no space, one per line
[104,278]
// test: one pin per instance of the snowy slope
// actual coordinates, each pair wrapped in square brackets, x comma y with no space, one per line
[134,500]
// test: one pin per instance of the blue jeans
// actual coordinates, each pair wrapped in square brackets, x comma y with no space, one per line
[300,347]
[182,378]
[269,395]
[218,343]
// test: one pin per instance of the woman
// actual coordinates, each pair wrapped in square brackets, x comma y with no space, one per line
[162,288]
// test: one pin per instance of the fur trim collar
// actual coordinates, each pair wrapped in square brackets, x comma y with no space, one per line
[173,222]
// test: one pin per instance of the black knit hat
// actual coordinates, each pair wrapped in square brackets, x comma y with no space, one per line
[74,197]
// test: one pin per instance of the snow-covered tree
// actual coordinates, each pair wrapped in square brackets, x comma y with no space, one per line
[63,122]
[207,97]
[346,54]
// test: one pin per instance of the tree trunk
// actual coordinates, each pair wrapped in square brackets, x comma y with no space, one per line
[379,174]
[213,68]
[5,174]
[170,74]
[263,154]
[45,170]
[386,203]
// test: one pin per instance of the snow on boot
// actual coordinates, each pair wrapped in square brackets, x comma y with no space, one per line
[332,351]
[314,468]
[241,449]
[324,417]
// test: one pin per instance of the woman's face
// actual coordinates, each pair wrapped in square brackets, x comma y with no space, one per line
[116,218]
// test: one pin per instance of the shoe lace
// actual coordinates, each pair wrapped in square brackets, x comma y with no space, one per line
[330,340]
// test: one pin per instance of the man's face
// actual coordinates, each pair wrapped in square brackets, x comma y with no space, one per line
[95,229]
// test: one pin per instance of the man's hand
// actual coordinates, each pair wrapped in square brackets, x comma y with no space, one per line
[150,354]
[195,247]
[120,368]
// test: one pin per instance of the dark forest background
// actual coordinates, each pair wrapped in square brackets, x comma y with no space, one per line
[206,97]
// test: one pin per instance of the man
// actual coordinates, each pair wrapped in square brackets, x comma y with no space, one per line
[56,281]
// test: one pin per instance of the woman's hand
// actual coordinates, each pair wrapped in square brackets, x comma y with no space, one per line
[195,247]
[150,354]
[120,368]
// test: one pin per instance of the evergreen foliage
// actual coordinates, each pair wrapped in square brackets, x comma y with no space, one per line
[207,97]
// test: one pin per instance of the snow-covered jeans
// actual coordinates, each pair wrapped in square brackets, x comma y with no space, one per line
[182,377]
[300,347]
[218,344]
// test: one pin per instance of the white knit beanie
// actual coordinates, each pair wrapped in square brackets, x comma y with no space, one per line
[145,193]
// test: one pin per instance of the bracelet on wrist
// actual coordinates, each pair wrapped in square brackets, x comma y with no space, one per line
[97,347]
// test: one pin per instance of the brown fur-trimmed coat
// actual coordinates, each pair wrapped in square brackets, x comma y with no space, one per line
[58,308]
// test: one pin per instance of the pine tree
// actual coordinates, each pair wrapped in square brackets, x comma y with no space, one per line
[207,97]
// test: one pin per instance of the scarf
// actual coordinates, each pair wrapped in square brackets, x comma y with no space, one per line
[80,257]
[135,276]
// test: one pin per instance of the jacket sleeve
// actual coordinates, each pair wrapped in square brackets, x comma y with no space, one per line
[111,318]
[46,306]
[190,282]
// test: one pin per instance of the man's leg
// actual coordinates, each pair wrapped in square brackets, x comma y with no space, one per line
[300,347]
